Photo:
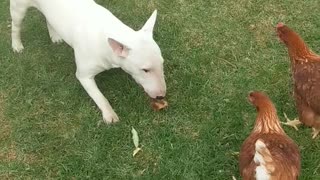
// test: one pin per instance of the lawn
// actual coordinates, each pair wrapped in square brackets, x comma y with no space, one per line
[215,53]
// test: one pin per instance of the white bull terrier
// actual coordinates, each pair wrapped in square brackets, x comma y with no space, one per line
[100,42]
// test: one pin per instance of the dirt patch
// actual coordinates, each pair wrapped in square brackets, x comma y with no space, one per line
[264,30]
[146,161]
[187,132]
[5,129]
[7,176]
[9,150]
[8,154]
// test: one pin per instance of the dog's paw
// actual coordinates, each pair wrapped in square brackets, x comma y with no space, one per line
[17,47]
[56,39]
[110,117]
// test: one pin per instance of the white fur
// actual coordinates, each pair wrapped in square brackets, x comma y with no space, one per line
[100,42]
[261,171]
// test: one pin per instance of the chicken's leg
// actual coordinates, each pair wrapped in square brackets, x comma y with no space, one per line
[315,132]
[292,123]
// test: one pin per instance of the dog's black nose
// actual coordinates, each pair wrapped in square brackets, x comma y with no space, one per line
[159,97]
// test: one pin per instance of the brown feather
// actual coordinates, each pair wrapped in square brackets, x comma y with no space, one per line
[285,153]
[305,66]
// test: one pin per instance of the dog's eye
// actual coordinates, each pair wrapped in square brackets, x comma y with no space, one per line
[146,70]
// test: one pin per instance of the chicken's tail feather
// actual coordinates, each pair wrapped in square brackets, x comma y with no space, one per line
[263,160]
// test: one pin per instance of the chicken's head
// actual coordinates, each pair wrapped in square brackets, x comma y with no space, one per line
[287,35]
[259,99]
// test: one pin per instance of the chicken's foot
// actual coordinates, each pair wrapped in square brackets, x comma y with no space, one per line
[315,132]
[292,123]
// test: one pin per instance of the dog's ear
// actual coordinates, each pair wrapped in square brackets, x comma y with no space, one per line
[118,48]
[148,26]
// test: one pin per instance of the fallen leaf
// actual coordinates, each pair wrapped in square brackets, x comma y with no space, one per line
[135,137]
[235,153]
[136,151]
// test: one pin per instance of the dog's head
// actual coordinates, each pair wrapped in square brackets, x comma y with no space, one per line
[140,56]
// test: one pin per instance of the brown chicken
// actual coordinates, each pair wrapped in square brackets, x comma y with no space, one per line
[305,66]
[268,153]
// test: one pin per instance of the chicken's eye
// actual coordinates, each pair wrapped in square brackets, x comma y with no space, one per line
[146,70]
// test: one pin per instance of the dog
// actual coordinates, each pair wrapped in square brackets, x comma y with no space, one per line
[100,42]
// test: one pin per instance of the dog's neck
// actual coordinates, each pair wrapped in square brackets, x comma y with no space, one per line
[119,31]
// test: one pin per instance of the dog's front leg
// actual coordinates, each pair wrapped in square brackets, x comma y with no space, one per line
[55,38]
[89,84]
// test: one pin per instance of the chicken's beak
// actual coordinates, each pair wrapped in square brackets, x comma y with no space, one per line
[249,97]
[279,26]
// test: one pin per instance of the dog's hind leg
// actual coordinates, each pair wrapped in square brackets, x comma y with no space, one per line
[55,38]
[18,9]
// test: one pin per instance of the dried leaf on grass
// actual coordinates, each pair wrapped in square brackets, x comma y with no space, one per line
[135,139]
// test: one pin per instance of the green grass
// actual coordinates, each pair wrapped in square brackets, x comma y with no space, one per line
[215,52]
